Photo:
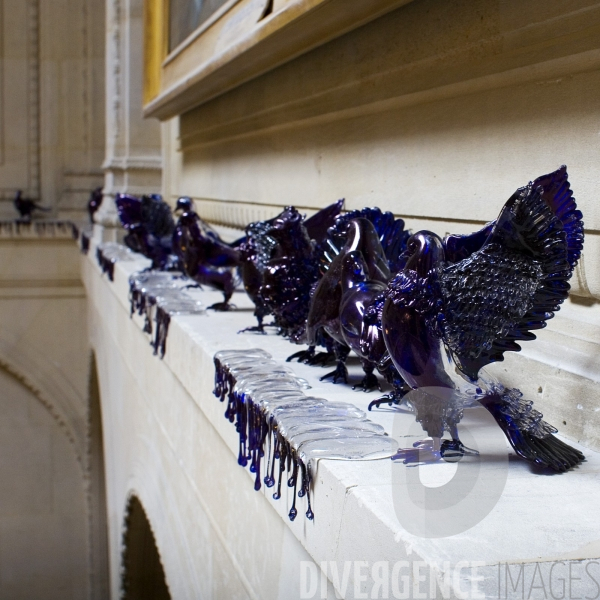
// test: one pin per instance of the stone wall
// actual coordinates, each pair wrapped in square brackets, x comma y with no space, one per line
[52,107]
[52,520]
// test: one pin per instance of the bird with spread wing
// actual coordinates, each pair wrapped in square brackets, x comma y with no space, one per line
[282,238]
[461,302]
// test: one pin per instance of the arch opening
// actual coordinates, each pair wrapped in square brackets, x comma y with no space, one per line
[143,573]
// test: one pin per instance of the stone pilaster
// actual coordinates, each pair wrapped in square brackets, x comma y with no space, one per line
[133,160]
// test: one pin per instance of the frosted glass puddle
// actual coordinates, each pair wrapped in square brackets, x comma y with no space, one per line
[276,420]
[158,295]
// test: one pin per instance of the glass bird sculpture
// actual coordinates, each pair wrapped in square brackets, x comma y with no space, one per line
[202,255]
[378,239]
[149,225]
[460,303]
[258,247]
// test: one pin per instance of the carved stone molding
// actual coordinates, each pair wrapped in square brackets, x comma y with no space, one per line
[33,73]
[10,367]
[137,163]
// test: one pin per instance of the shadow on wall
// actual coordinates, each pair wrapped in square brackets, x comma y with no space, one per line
[97,491]
[143,573]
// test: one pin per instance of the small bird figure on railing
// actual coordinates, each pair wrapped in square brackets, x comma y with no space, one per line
[25,207]
[461,302]
[94,202]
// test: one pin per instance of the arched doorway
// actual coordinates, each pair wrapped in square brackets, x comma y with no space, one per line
[143,573]
[97,491]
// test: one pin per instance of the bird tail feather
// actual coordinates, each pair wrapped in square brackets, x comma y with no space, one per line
[529,435]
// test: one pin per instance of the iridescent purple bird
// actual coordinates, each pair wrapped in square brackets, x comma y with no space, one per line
[203,256]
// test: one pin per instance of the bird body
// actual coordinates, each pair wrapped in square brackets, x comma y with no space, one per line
[204,257]
[358,265]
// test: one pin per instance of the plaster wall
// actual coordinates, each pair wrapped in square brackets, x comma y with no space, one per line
[51,526]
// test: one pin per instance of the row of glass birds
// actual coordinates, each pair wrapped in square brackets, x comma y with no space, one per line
[424,312]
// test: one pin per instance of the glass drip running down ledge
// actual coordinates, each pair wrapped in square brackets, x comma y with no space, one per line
[276,420]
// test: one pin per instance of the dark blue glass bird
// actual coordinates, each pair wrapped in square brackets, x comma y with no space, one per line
[461,302]
[203,256]
[290,273]
[360,308]
[379,239]
[149,225]
[258,247]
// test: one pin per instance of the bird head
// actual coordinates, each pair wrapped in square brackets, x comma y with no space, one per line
[354,269]
[424,252]
[184,204]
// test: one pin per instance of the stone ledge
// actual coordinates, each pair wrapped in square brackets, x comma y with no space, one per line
[537,520]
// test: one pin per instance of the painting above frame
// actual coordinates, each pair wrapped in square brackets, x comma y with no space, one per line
[196,50]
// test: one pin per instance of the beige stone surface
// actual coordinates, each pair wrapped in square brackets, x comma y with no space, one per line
[436,112]
[45,545]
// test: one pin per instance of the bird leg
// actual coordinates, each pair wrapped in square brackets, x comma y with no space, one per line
[369,381]
[453,450]
[260,328]
[303,356]
[221,306]
[320,358]
[340,372]
[400,388]
[393,398]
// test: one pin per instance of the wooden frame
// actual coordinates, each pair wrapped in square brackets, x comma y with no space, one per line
[156,36]
[242,40]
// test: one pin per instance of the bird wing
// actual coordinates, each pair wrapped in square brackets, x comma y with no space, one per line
[390,231]
[156,216]
[129,209]
[517,280]
[320,222]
